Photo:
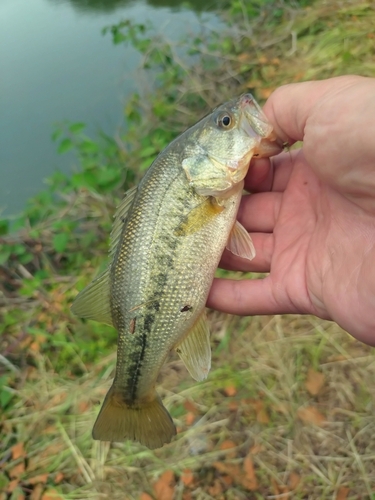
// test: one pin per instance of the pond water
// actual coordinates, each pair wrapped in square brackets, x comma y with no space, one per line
[56,65]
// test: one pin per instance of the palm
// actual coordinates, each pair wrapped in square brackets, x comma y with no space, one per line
[314,242]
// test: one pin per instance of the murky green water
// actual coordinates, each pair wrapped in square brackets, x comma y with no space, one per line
[56,65]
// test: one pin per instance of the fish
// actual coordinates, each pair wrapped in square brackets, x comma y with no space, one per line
[167,239]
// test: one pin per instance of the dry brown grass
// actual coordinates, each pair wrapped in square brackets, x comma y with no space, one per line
[254,405]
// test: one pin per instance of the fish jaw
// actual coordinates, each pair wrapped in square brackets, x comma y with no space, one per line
[255,123]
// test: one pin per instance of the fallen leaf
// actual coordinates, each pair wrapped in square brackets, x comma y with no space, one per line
[342,493]
[41,478]
[253,83]
[314,381]
[245,56]
[190,406]
[283,408]
[275,486]
[262,416]
[227,480]
[249,481]
[216,489]
[59,477]
[164,486]
[145,496]
[187,477]
[83,406]
[230,390]
[230,469]
[227,445]
[337,357]
[17,470]
[257,448]
[51,494]
[294,480]
[12,485]
[50,451]
[18,451]
[37,492]
[189,418]
[233,405]
[310,415]
[280,490]
[265,93]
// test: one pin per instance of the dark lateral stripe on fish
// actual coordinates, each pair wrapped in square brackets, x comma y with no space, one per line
[138,355]
[132,382]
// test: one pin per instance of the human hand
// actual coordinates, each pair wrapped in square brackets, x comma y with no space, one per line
[312,214]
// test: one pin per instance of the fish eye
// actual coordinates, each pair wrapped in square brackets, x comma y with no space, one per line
[224,121]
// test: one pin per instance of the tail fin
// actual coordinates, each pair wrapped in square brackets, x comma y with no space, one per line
[149,422]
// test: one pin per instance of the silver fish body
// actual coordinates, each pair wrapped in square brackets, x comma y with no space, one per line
[167,240]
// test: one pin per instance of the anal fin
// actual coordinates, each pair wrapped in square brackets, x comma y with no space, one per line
[195,349]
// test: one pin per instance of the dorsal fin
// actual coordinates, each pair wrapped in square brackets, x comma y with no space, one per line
[120,218]
[93,302]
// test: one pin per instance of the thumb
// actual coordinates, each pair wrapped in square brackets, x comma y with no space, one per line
[289,107]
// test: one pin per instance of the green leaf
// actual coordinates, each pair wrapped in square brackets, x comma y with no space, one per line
[4,227]
[5,253]
[60,242]
[88,146]
[65,146]
[148,151]
[56,134]
[26,258]
[19,249]
[76,128]
[5,397]
[4,481]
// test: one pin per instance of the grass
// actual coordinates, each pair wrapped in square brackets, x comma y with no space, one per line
[288,408]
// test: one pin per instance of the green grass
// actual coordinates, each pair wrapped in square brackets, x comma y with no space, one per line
[255,407]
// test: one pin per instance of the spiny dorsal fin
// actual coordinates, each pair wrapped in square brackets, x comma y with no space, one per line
[93,302]
[195,349]
[240,242]
[120,218]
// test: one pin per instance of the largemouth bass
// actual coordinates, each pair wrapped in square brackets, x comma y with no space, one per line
[168,236]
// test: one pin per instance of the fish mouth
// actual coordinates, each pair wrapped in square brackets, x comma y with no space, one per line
[256,125]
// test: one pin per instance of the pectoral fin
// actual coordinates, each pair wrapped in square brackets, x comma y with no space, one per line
[94,302]
[199,217]
[195,349]
[240,242]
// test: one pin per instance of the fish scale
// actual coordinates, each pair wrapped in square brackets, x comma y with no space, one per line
[168,237]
